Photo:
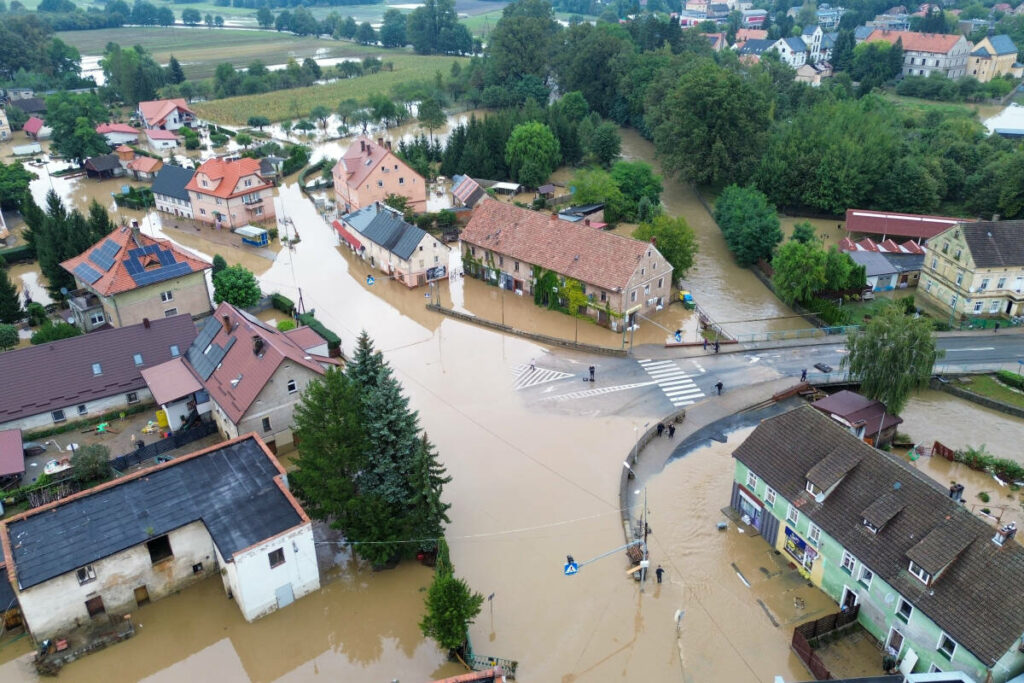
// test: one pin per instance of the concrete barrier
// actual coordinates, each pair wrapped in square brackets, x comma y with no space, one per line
[542,338]
[968,395]
[632,457]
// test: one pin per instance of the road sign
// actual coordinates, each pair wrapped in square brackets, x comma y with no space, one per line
[570,568]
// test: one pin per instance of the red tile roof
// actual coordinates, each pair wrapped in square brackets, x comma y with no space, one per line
[938,43]
[116,279]
[33,125]
[744,34]
[104,128]
[571,249]
[364,155]
[156,111]
[170,381]
[254,371]
[162,134]
[145,164]
[306,337]
[12,458]
[898,224]
[886,247]
[224,177]
[346,235]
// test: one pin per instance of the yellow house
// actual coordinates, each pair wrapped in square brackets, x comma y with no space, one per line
[975,269]
[992,57]
[128,278]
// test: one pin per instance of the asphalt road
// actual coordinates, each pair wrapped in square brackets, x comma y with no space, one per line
[640,385]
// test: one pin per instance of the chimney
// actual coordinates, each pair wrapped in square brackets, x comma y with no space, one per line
[654,241]
[146,323]
[257,344]
[1005,534]
[380,142]
[225,321]
[362,145]
[586,222]
[388,143]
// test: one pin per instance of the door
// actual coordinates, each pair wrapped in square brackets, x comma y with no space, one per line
[849,600]
[141,596]
[894,641]
[285,596]
[95,607]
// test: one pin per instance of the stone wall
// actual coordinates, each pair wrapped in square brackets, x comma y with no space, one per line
[1006,408]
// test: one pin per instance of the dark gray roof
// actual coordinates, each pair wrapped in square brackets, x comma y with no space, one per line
[30,105]
[231,489]
[976,600]
[103,162]
[1003,44]
[7,597]
[833,467]
[171,180]
[795,44]
[862,32]
[391,232]
[904,263]
[38,379]
[756,46]
[885,508]
[995,244]
[874,263]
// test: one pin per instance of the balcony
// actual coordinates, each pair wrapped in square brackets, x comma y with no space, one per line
[253,204]
[83,301]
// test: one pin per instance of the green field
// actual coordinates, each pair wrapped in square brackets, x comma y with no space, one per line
[980,111]
[282,105]
[200,50]
[987,386]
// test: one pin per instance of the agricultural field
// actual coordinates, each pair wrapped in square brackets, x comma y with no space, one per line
[283,105]
[200,50]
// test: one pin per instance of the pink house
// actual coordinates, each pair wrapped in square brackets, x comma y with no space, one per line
[231,193]
[369,172]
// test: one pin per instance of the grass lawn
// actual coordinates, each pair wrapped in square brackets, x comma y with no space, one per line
[989,387]
[200,50]
[296,102]
[918,105]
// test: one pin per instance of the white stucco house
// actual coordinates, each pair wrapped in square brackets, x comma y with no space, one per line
[107,550]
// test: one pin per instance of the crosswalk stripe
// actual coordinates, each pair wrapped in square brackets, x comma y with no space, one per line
[527,376]
[682,403]
[685,394]
[595,392]
[670,376]
[675,383]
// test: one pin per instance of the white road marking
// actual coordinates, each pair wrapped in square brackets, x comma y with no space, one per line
[980,348]
[586,393]
[527,376]
[676,383]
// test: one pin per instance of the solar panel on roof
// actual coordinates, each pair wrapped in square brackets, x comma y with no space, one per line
[148,277]
[166,257]
[86,273]
[103,255]
[133,266]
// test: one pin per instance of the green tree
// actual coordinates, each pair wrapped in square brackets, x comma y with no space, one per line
[91,463]
[637,182]
[10,304]
[8,337]
[710,125]
[531,153]
[434,28]
[14,182]
[799,271]
[392,30]
[605,145]
[803,232]
[321,114]
[749,224]
[50,331]
[892,356]
[522,42]
[237,286]
[451,606]
[431,115]
[175,74]
[596,186]
[842,54]
[365,35]
[264,17]
[258,122]
[428,512]
[243,140]
[191,16]
[674,238]
[842,273]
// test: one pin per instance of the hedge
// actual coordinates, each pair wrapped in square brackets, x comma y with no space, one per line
[333,340]
[282,303]
[1011,379]
[18,254]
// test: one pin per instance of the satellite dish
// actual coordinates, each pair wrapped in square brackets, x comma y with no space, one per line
[820,498]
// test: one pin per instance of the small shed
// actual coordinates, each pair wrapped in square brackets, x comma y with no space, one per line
[507,188]
[27,150]
[253,236]
[546,191]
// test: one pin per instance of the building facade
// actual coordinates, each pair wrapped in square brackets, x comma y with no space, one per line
[993,56]
[368,172]
[231,193]
[380,235]
[249,529]
[169,193]
[870,532]
[166,114]
[5,126]
[928,54]
[519,250]
[976,269]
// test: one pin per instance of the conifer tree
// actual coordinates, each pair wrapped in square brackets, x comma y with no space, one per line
[427,512]
[10,305]
[451,606]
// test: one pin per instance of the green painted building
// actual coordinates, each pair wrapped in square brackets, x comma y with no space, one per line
[936,585]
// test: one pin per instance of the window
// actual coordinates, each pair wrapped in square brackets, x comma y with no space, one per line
[97,369]
[870,527]
[97,318]
[603,296]
[58,416]
[978,305]
[170,312]
[866,575]
[769,496]
[167,296]
[642,271]
[792,515]
[922,576]
[132,397]
[849,562]
[201,211]
[927,285]
[647,289]
[661,281]
[751,480]
[632,296]
[175,351]
[401,181]
[904,610]
[933,669]
[380,183]
[137,358]
[276,558]
[159,549]
[1001,283]
[248,182]
[82,410]
[984,284]
[953,300]
[935,262]
[515,266]
[957,254]
[501,260]
[812,489]
[959,278]
[219,202]
[946,645]
[86,574]
[814,534]
[945,247]
[266,424]
[994,308]
[292,388]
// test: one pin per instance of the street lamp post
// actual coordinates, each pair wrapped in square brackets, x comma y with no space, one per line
[643,527]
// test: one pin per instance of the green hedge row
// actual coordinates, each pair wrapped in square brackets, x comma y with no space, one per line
[25,252]
[333,340]
[282,303]
[1011,379]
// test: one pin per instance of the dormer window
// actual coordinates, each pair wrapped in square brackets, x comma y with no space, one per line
[869,526]
[922,576]
[97,369]
[812,489]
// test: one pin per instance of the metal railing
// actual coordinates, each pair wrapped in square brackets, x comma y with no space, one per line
[810,333]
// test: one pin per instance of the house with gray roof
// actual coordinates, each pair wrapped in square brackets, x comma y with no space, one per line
[993,56]
[169,190]
[406,253]
[939,587]
[886,272]
[224,510]
[976,269]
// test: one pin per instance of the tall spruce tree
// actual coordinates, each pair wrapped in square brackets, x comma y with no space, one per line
[427,512]
[10,304]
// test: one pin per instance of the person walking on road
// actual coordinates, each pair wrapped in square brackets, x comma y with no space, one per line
[803,375]
[705,343]
[719,387]
[661,429]
[671,431]
[659,572]
[717,346]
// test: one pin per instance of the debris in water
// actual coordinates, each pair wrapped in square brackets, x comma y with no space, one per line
[722,526]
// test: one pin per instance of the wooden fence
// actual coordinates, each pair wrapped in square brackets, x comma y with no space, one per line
[175,440]
[806,637]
